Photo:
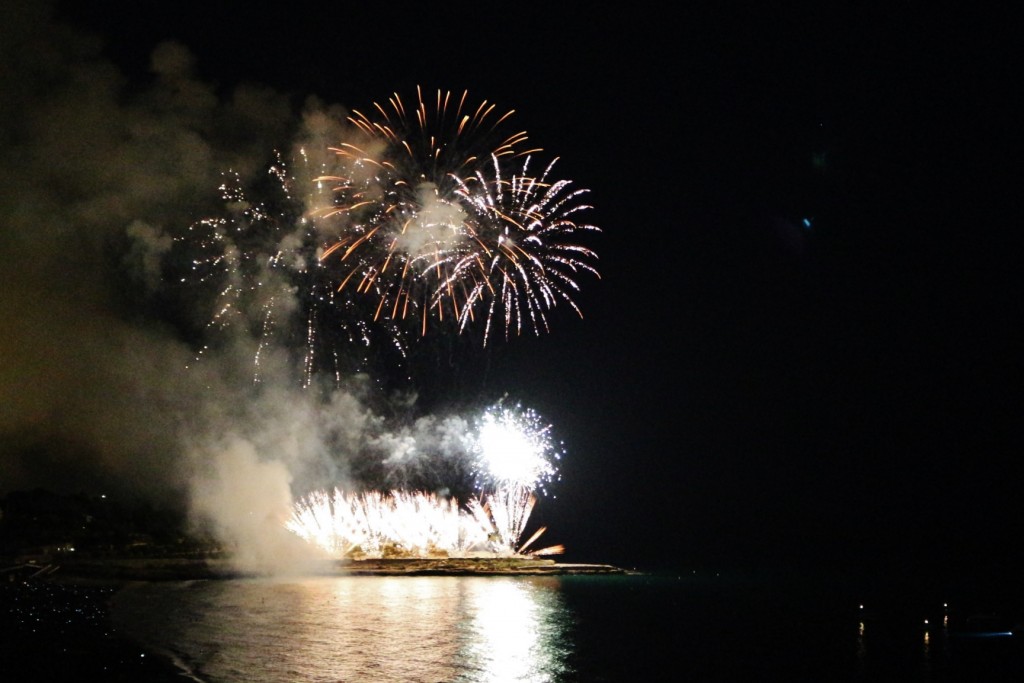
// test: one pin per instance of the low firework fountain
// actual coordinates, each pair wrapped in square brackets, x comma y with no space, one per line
[513,455]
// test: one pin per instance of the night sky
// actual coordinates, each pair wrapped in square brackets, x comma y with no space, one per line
[801,352]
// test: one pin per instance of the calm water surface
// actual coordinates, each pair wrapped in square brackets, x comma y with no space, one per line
[573,628]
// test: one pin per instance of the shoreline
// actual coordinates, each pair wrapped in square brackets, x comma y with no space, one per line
[58,631]
[178,569]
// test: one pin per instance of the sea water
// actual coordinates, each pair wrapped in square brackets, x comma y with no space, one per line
[553,628]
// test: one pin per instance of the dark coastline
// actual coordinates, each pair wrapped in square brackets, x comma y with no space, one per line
[57,630]
[131,569]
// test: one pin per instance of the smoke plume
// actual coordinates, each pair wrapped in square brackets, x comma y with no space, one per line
[99,387]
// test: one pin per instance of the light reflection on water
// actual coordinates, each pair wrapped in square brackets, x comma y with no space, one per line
[356,628]
[561,629]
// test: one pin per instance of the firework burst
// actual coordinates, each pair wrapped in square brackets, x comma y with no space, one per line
[514,449]
[422,218]
[437,230]
[515,455]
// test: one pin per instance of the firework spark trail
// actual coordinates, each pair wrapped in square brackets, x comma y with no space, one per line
[424,229]
[514,451]
[414,524]
[243,251]
[398,192]
[372,524]
[264,256]
[527,259]
[435,230]
[413,223]
[514,455]
[506,511]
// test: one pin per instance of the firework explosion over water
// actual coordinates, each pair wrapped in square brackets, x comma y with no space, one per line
[413,229]
[403,230]
[289,263]
[439,227]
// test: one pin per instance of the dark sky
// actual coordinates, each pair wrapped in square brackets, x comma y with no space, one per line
[801,349]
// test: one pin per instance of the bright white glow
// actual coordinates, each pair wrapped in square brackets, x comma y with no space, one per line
[417,524]
[511,642]
[514,447]
[512,452]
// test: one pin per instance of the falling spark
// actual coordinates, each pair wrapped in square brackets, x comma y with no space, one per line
[262,256]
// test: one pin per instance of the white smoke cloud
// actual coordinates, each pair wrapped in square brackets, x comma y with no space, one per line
[92,398]
[426,454]
[244,499]
[438,223]
[96,394]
